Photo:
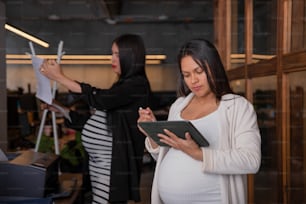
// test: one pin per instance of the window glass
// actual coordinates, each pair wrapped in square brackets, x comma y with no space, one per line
[297,138]
[237,34]
[266,181]
[264,29]
[298,25]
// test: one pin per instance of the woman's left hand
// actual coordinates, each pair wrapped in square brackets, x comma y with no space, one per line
[51,69]
[188,145]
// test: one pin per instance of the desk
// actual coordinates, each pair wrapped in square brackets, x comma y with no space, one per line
[75,194]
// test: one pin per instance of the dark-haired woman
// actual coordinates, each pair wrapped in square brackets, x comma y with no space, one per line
[110,136]
[187,173]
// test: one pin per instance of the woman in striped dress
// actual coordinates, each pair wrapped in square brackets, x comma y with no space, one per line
[110,135]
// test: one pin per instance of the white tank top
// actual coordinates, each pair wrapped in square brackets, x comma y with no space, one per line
[181,180]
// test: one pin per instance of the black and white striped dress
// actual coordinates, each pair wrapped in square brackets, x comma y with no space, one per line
[97,140]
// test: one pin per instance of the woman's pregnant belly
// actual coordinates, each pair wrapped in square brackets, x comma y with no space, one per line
[182,181]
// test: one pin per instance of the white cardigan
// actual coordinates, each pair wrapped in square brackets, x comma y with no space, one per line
[239,152]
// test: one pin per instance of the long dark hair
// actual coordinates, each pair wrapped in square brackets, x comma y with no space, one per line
[131,55]
[207,57]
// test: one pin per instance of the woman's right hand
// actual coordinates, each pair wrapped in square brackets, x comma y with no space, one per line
[50,107]
[45,106]
[145,115]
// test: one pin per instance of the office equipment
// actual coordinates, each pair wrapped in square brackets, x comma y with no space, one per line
[30,174]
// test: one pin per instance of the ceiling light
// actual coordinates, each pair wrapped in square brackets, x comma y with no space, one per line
[25,35]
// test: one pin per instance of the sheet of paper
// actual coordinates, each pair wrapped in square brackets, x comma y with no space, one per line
[43,88]
[3,157]
[62,111]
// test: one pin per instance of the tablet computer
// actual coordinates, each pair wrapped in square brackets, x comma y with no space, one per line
[179,127]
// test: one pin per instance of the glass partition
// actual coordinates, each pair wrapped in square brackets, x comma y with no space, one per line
[267,179]
[297,138]
[298,25]
[237,34]
[264,29]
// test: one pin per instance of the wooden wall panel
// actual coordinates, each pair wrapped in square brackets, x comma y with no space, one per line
[263,68]
[297,26]
[294,62]
[222,30]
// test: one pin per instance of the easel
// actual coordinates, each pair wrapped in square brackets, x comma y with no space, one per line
[55,136]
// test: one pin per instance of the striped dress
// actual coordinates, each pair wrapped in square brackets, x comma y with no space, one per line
[97,140]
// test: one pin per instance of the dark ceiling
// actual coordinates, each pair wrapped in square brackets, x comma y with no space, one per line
[112,11]
[88,26]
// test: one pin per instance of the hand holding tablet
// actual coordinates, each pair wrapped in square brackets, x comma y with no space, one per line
[177,127]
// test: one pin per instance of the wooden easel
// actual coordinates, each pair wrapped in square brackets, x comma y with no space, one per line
[54,87]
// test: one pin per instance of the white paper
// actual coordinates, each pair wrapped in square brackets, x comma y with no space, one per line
[3,157]
[62,111]
[43,83]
